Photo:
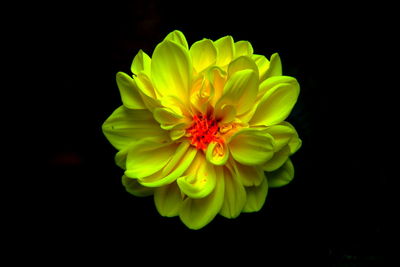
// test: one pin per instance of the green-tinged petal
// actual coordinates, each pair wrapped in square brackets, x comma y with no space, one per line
[129,92]
[167,118]
[226,114]
[234,196]
[147,157]
[168,200]
[276,104]
[125,126]
[262,63]
[277,160]
[217,153]
[282,134]
[120,158]
[251,147]
[177,166]
[240,91]
[196,213]
[281,176]
[171,70]
[256,196]
[295,142]
[272,82]
[177,37]
[199,179]
[204,54]
[226,50]
[243,48]
[242,63]
[136,189]
[141,63]
[275,67]
[175,104]
[248,175]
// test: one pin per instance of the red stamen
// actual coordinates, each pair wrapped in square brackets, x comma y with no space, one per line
[203,131]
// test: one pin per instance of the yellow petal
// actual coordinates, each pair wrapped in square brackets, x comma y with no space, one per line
[240,91]
[248,175]
[176,167]
[275,67]
[243,48]
[276,104]
[120,158]
[256,196]
[226,50]
[199,180]
[277,160]
[177,37]
[262,63]
[281,176]
[217,153]
[141,63]
[171,70]
[126,126]
[168,200]
[136,189]
[196,213]
[129,92]
[167,118]
[242,63]
[147,157]
[282,134]
[204,54]
[272,82]
[234,196]
[251,147]
[217,79]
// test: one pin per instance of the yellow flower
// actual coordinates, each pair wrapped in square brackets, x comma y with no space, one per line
[202,128]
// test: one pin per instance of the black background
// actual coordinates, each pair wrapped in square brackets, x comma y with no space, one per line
[333,213]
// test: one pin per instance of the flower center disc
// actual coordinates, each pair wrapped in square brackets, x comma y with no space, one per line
[203,131]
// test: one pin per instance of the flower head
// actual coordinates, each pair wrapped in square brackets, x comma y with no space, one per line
[202,128]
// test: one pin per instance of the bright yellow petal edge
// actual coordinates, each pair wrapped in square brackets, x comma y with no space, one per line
[202,128]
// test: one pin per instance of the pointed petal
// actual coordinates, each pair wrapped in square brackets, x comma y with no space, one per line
[240,91]
[217,153]
[125,126]
[199,180]
[234,196]
[248,175]
[275,66]
[276,104]
[281,176]
[204,54]
[256,196]
[129,92]
[262,63]
[147,157]
[141,63]
[196,213]
[171,70]
[132,186]
[251,147]
[173,170]
[226,50]
[168,200]
[243,48]
[178,37]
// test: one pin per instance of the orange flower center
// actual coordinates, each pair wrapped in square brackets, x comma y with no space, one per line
[203,131]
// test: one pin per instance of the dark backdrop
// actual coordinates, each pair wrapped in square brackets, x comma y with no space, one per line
[334,211]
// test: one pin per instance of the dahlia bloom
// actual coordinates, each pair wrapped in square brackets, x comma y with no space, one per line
[202,128]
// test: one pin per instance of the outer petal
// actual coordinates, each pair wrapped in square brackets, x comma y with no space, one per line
[272,82]
[240,91]
[256,196]
[136,189]
[282,134]
[178,37]
[248,175]
[281,176]
[196,213]
[276,104]
[275,67]
[168,200]
[243,48]
[226,50]
[129,92]
[199,180]
[204,54]
[251,147]
[125,126]
[171,70]
[147,157]
[277,160]
[141,63]
[242,63]
[234,197]
[262,63]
